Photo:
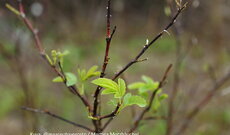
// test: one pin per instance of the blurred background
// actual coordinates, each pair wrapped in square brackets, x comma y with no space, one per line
[198,45]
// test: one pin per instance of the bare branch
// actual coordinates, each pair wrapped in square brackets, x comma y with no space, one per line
[203,103]
[57,117]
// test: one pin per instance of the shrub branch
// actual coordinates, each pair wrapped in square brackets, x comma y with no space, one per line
[203,103]
[57,117]
[41,50]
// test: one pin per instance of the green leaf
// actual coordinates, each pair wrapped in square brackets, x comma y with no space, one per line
[82,88]
[106,83]
[121,89]
[49,60]
[156,104]
[133,100]
[54,56]
[58,79]
[163,96]
[92,72]
[167,11]
[144,87]
[108,91]
[158,99]
[12,9]
[71,79]
[136,85]
[147,79]
[112,102]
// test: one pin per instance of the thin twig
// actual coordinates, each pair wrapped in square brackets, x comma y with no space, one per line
[202,103]
[141,115]
[135,60]
[113,114]
[57,117]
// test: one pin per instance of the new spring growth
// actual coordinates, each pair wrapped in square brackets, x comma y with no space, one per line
[12,9]
[147,42]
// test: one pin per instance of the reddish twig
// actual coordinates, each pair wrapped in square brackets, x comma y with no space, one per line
[203,103]
[57,117]
[109,37]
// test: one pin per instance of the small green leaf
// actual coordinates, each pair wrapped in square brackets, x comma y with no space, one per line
[136,85]
[167,11]
[108,91]
[112,102]
[158,99]
[49,60]
[143,87]
[66,52]
[71,79]
[163,96]
[156,104]
[82,89]
[121,89]
[54,56]
[147,79]
[12,9]
[58,79]
[90,73]
[106,83]
[133,100]
[93,118]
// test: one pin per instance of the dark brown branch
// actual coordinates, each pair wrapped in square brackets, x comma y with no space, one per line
[109,37]
[135,60]
[97,92]
[113,114]
[203,103]
[57,117]
[141,115]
